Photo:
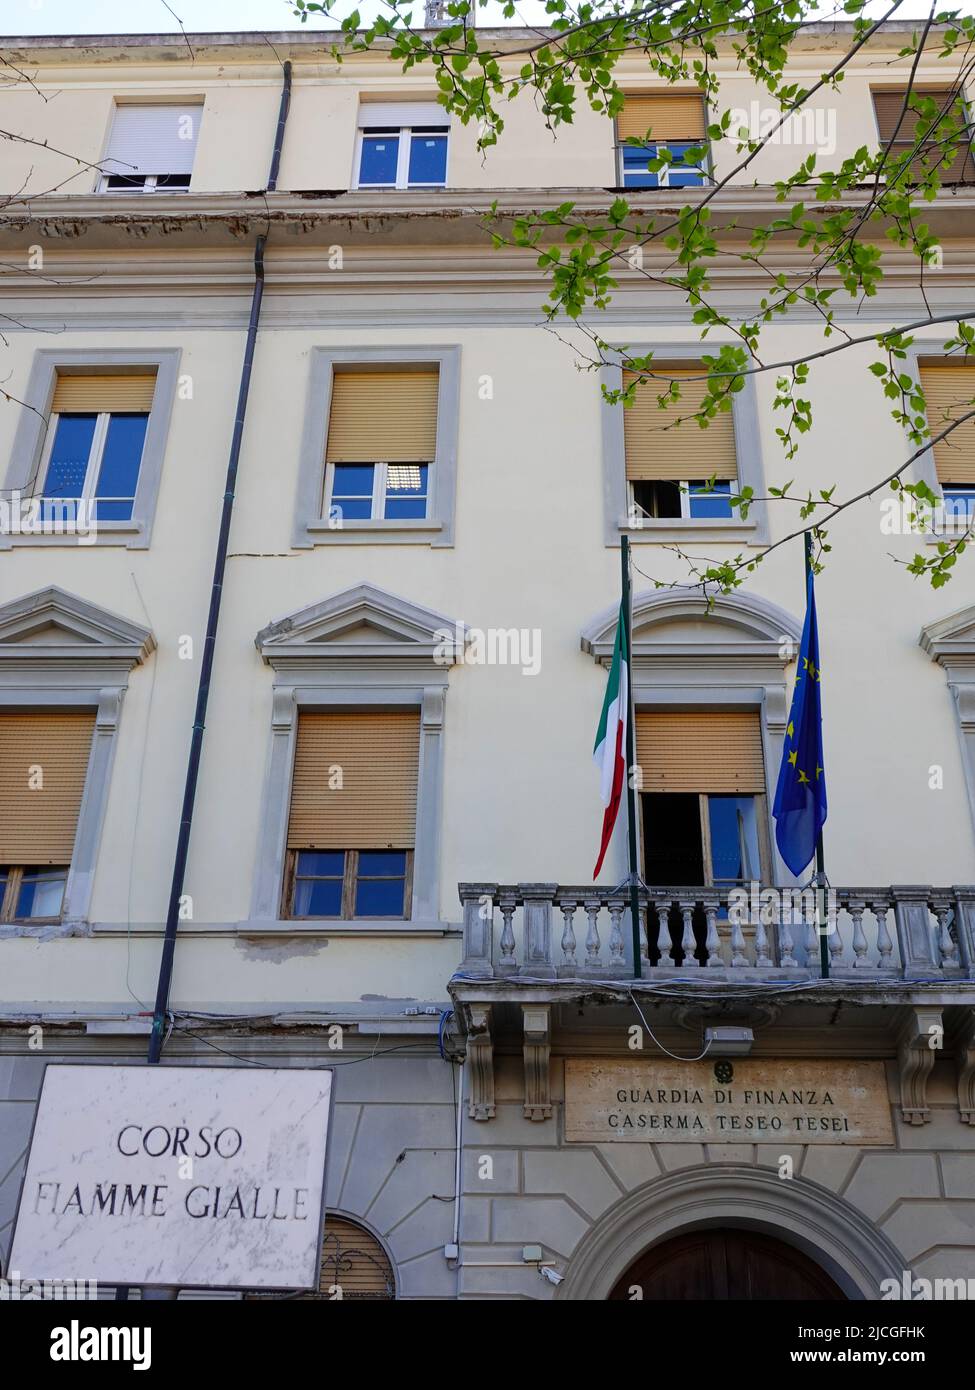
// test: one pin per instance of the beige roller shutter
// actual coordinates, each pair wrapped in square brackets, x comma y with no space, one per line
[697,752]
[43,762]
[949,391]
[383,417]
[654,452]
[668,116]
[889,104]
[375,807]
[95,393]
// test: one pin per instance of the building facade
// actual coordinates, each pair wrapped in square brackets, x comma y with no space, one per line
[396,814]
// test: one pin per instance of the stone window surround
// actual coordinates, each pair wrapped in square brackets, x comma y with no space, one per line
[719,673]
[950,642]
[67,676]
[924,466]
[748,453]
[437,528]
[396,678]
[31,435]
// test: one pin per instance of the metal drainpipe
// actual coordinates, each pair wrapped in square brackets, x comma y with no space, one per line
[216,593]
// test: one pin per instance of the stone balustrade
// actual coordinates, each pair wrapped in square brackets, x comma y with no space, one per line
[551,931]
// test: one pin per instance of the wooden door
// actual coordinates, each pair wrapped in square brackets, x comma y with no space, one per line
[726,1264]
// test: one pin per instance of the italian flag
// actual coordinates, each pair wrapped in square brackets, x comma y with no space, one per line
[609,753]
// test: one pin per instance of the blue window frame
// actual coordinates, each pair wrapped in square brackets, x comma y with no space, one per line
[676,174]
[95,459]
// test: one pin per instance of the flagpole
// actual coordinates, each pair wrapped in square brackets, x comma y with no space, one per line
[820,857]
[630,760]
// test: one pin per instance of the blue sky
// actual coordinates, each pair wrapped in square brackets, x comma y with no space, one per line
[152,16]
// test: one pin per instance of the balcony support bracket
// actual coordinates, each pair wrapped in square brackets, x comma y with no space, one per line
[921,1038]
[480,1061]
[965,1063]
[538,1047]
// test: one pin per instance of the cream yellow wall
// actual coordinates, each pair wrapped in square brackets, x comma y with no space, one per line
[73,119]
[520,794]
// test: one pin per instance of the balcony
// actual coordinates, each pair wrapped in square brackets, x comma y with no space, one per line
[552,932]
[549,967]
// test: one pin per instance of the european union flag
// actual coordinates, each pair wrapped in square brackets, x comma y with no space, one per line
[800,797]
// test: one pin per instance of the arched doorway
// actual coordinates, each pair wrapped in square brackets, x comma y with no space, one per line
[707,1265]
[806,1217]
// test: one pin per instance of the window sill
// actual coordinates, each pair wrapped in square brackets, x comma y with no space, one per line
[419,532]
[334,926]
[675,528]
[127,533]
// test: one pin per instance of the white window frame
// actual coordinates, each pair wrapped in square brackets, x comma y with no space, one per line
[663,175]
[404,134]
[380,478]
[684,484]
[95,456]
[149,184]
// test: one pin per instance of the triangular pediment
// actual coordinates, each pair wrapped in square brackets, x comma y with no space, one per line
[52,623]
[953,636]
[362,622]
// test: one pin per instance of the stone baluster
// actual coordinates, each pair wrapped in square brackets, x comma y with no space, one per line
[885,945]
[507,902]
[593,907]
[786,958]
[811,938]
[947,949]
[762,957]
[739,956]
[617,962]
[856,910]
[664,912]
[645,937]
[570,965]
[687,944]
[713,942]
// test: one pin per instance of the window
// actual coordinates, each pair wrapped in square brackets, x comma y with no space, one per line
[703,798]
[703,809]
[668,126]
[95,444]
[949,392]
[402,145]
[32,892]
[382,441]
[352,824]
[669,465]
[353,1261]
[898,131]
[151,148]
[43,765]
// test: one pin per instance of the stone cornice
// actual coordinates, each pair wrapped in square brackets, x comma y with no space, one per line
[409,218]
